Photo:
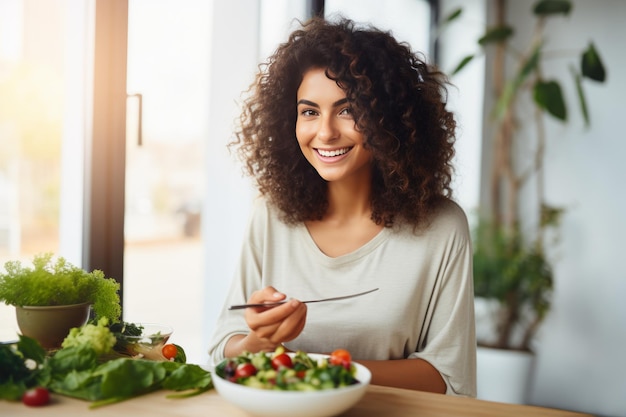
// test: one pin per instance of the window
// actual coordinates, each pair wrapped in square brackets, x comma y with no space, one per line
[44,85]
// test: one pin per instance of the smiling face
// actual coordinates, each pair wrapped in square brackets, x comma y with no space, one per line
[326,130]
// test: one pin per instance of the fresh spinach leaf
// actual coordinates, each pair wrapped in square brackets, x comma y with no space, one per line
[31,349]
[129,377]
[188,377]
[75,358]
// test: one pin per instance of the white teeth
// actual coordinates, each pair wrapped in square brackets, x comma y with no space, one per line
[336,152]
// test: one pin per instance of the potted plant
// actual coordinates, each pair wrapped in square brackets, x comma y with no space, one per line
[512,270]
[514,282]
[51,297]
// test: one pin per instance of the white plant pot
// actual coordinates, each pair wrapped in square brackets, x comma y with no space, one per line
[504,375]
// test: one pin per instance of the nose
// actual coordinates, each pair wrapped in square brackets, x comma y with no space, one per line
[327,129]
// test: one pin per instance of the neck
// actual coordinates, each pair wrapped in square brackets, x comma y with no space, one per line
[349,200]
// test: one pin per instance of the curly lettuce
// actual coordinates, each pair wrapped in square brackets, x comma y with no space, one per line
[97,336]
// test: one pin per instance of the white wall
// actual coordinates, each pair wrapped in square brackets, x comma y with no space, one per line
[404,18]
[466,96]
[580,348]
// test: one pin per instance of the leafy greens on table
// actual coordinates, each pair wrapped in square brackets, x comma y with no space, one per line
[80,372]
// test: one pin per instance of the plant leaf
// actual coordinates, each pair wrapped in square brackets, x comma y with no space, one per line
[495,35]
[12,391]
[75,358]
[508,92]
[31,349]
[466,60]
[591,64]
[550,7]
[548,95]
[511,87]
[453,15]
[530,64]
[188,377]
[582,101]
[551,215]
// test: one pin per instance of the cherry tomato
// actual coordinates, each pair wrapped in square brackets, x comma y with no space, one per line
[245,370]
[341,357]
[36,397]
[169,351]
[283,360]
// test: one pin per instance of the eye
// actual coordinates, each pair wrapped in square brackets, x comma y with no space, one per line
[308,113]
[346,111]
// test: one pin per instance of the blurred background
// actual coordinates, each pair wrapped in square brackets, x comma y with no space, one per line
[114,120]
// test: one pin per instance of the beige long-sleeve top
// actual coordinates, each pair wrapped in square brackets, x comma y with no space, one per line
[424,307]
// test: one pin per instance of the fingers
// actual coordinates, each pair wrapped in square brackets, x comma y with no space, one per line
[275,324]
[266,295]
[296,324]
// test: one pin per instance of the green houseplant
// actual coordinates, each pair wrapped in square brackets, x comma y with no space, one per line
[53,296]
[511,265]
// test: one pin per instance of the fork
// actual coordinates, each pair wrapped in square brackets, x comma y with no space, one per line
[274,304]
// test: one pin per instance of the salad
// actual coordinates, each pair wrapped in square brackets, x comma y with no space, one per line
[289,372]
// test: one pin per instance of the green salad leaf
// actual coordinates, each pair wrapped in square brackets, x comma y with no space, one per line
[97,336]
[188,377]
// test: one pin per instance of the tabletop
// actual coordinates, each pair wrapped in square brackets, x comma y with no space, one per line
[377,401]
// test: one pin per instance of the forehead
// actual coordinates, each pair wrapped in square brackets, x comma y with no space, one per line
[315,84]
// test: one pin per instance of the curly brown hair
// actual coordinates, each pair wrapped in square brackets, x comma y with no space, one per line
[398,102]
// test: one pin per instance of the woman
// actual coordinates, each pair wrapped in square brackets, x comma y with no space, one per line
[349,140]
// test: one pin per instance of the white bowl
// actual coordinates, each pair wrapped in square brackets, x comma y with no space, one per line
[268,403]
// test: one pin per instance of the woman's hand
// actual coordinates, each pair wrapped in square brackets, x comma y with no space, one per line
[269,326]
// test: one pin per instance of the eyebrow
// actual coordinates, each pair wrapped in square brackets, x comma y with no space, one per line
[312,104]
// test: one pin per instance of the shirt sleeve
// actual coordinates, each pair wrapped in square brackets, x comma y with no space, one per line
[449,339]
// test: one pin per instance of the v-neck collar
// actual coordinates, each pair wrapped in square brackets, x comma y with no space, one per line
[365,249]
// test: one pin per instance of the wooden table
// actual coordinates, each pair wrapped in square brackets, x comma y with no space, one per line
[378,401]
